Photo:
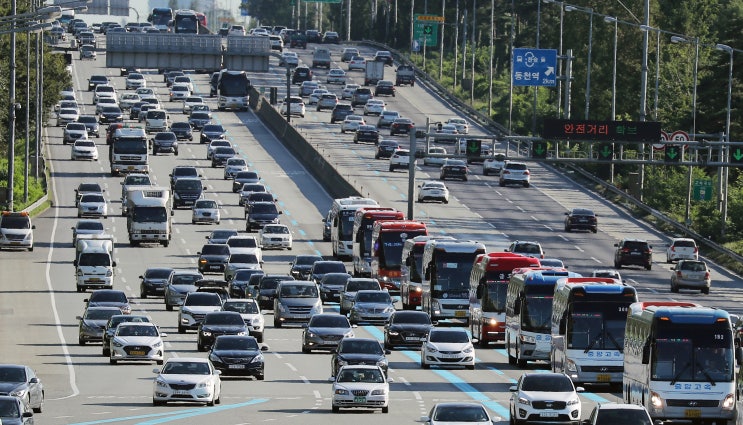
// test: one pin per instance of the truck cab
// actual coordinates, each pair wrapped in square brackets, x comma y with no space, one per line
[94,267]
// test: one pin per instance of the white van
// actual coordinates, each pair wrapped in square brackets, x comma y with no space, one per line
[94,268]
[155,120]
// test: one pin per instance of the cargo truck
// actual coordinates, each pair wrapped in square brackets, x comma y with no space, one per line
[94,267]
[148,215]
[405,74]
[321,58]
[374,72]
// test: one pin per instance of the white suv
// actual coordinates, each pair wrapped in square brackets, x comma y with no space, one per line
[545,397]
[16,231]
[400,159]
[527,248]
[682,249]
[514,173]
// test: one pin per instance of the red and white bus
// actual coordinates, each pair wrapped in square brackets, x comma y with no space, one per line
[411,270]
[387,241]
[363,225]
[488,288]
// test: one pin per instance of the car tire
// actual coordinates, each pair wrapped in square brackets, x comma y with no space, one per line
[386,409]
[470,367]
[526,184]
[106,352]
[143,294]
[200,347]
[705,291]
[158,402]
[112,361]
[277,323]
[159,362]
[336,409]
[567,229]
[181,329]
[260,377]
[674,288]
[649,267]
[425,365]
[502,184]
[306,350]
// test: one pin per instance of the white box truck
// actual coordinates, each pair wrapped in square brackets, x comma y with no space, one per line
[94,266]
[374,72]
[148,215]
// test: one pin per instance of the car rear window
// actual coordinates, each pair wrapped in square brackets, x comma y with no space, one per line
[635,245]
[685,244]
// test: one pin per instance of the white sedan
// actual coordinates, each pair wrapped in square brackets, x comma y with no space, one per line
[433,191]
[374,107]
[233,166]
[190,102]
[348,91]
[205,211]
[216,144]
[275,236]
[187,379]
[84,149]
[438,160]
[360,386]
[137,341]
[336,76]
[92,205]
[296,106]
[352,123]
[66,116]
[455,342]
[315,96]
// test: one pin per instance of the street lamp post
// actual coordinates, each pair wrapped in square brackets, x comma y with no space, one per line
[589,10]
[611,19]
[695,41]
[725,170]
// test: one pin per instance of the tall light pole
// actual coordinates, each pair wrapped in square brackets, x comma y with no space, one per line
[725,170]
[559,53]
[13,106]
[695,41]
[611,19]
[589,10]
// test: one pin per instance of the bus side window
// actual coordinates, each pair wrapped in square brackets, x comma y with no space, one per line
[646,352]
[563,324]
[480,288]
[517,304]
[429,271]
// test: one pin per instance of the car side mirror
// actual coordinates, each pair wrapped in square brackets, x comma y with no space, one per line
[264,348]
[74,263]
[155,370]
[513,388]
[580,389]
[28,414]
[387,352]
[113,264]
[163,335]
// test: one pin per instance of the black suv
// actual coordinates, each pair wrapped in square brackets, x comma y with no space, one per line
[94,80]
[313,36]
[581,218]
[186,191]
[259,214]
[384,87]
[182,171]
[634,252]
[340,112]
[164,141]
[213,257]
[219,323]
[301,74]
[453,169]
[352,351]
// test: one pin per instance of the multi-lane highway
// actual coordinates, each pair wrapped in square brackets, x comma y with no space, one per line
[39,302]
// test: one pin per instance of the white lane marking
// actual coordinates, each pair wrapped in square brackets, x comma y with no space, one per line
[563,238]
[291,366]
[492,225]
[520,209]
[404,381]
[579,248]
[304,379]
[596,260]
[533,218]
[548,227]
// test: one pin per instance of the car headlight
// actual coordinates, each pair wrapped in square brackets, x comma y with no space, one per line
[341,363]
[206,333]
[282,308]
[393,333]
[570,366]
[203,384]
[214,358]
[383,363]
[20,393]
[379,391]
[79,272]
[528,339]
[109,273]
[256,321]
[160,383]
[431,348]
[341,391]
[573,402]
[389,309]
[349,334]
[468,349]
[157,344]
[727,404]
[242,333]
[524,401]
[655,400]
[257,359]
[116,343]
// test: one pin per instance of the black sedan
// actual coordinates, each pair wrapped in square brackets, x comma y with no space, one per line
[213,257]
[21,381]
[153,281]
[301,266]
[581,218]
[219,323]
[239,284]
[359,351]
[386,148]
[111,114]
[401,126]
[406,328]
[238,355]
[221,155]
[182,130]
[366,133]
[211,132]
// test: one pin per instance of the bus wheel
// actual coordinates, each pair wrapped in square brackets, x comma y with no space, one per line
[511,359]
[519,361]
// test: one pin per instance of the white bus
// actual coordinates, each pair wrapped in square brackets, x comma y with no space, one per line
[529,313]
[341,223]
[679,362]
[588,318]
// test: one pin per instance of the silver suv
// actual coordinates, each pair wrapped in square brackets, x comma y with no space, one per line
[296,302]
[514,173]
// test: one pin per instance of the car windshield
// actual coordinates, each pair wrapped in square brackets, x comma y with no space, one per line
[360,346]
[223,234]
[299,291]
[89,225]
[693,266]
[361,284]
[276,230]
[181,126]
[528,248]
[94,259]
[91,197]
[102,314]
[76,126]
[201,298]
[458,413]
[329,321]
[622,416]
[539,382]
[306,260]
[244,259]
[236,344]
[421,319]
[215,249]
[12,374]
[185,172]
[449,336]
[229,318]
[242,307]
[242,243]
[186,368]
[124,330]
[185,279]
[264,209]
[9,409]
[188,184]
[157,273]
[98,297]
[206,204]
[236,162]
[373,297]
[200,115]
[361,375]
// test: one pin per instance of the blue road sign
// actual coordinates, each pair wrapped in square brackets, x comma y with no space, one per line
[534,67]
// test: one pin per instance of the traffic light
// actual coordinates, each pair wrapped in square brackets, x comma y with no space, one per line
[473,148]
[606,152]
[539,149]
[673,153]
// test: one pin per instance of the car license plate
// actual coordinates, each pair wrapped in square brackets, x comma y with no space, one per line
[137,353]
[604,377]
[359,399]
[130,168]
[237,366]
[15,243]
[412,338]
[94,279]
[213,267]
[460,313]
[634,253]
[180,392]
[692,413]
[549,414]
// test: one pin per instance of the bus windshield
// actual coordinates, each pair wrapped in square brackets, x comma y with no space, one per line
[390,255]
[453,275]
[160,16]
[233,84]
[494,300]
[693,353]
[345,224]
[588,329]
[536,315]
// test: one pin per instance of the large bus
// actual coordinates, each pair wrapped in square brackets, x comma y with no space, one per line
[588,318]
[185,22]
[446,278]
[233,88]
[529,313]
[128,152]
[160,17]
[488,287]
[363,224]
[679,362]
[341,223]
[388,239]
[411,270]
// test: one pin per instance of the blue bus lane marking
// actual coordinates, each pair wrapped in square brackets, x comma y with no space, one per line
[468,389]
[175,416]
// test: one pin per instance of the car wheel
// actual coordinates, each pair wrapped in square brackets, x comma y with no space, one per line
[158,402]
[674,288]
[200,347]
[705,291]
[336,409]
[277,323]
[567,229]
[306,350]
[392,169]
[386,409]
[106,352]
[649,267]
[143,294]
[80,341]
[425,365]
[502,184]
[168,307]
[668,260]
[112,361]
[260,377]
[181,329]
[526,184]
[210,403]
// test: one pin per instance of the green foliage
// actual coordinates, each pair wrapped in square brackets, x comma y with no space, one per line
[36,188]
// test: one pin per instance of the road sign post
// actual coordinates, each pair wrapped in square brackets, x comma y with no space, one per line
[426,29]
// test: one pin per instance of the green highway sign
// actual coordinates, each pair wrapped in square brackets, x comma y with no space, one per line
[673,153]
[606,152]
[473,148]
[425,31]
[702,189]
[736,155]
[539,149]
